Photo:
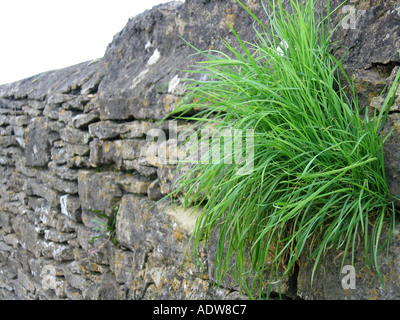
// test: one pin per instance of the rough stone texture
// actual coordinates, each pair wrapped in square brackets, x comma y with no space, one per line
[327,282]
[75,141]
[37,149]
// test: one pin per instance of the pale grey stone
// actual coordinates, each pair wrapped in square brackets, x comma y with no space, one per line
[74,136]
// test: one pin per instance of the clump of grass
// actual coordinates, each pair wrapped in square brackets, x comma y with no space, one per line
[318,180]
[106,226]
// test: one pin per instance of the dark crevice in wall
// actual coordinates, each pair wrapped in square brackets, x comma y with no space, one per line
[383,69]
[277,296]
[74,90]
[94,89]
[146,288]
[293,281]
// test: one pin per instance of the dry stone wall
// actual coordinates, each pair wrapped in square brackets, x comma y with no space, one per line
[73,143]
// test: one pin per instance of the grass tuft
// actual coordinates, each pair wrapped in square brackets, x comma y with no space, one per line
[318,180]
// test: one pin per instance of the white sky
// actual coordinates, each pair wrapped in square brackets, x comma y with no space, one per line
[42,35]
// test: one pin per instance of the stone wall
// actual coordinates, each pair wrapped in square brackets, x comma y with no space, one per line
[73,143]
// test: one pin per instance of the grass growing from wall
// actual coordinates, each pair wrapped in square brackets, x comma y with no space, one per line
[318,180]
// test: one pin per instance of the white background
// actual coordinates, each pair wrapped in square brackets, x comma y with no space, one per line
[42,35]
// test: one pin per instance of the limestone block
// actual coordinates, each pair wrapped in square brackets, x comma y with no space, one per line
[4,220]
[27,235]
[74,136]
[115,109]
[52,217]
[98,191]
[58,184]
[133,222]
[63,172]
[122,264]
[34,187]
[57,236]
[134,184]
[56,251]
[142,222]
[83,120]
[71,207]
[114,152]
[19,121]
[8,141]
[68,152]
[154,190]
[104,130]
[66,116]
[37,151]
[51,111]
[138,166]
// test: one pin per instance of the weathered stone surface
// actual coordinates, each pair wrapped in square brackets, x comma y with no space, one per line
[109,130]
[74,136]
[153,190]
[52,217]
[166,229]
[27,235]
[66,116]
[173,280]
[114,152]
[98,192]
[79,162]
[137,165]
[122,264]
[37,152]
[92,282]
[51,111]
[71,207]
[34,187]
[83,120]
[392,169]
[134,184]
[58,184]
[63,172]
[19,121]
[131,222]
[4,220]
[8,141]
[157,74]
[85,76]
[69,153]
[57,236]
[327,283]
[56,251]
[106,130]
[371,36]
